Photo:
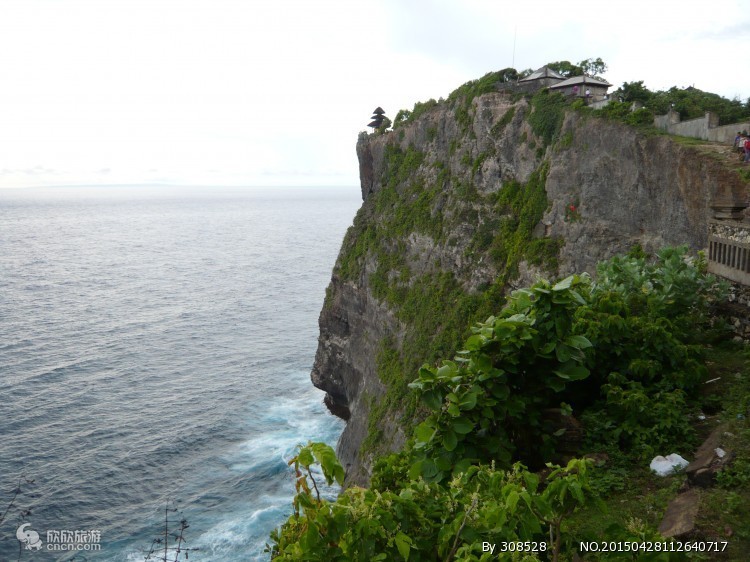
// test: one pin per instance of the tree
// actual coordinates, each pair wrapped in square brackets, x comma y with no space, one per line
[566,68]
[508,75]
[384,125]
[634,91]
[691,103]
[402,117]
[593,67]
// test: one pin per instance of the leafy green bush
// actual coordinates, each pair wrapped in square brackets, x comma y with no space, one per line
[617,352]
[674,286]
[689,102]
[521,207]
[641,318]
[646,320]
[547,116]
[503,122]
[489,404]
[460,99]
[643,422]
[623,111]
[428,521]
[404,116]
[735,475]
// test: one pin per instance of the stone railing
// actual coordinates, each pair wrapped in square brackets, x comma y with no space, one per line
[729,250]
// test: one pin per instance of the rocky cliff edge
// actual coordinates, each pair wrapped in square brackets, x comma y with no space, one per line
[471,199]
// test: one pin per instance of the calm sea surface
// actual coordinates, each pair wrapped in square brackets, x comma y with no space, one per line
[155,349]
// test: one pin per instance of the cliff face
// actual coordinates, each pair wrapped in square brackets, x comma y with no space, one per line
[471,199]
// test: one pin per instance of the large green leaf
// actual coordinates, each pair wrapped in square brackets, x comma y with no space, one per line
[512,500]
[481,362]
[468,401]
[429,468]
[450,440]
[474,342]
[433,399]
[562,352]
[305,456]
[332,469]
[579,342]
[403,544]
[564,284]
[424,432]
[462,426]
[447,370]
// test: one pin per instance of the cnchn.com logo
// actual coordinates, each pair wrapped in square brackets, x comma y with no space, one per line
[29,537]
[61,540]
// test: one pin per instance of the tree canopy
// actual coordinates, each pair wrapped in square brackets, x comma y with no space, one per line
[689,102]
[590,67]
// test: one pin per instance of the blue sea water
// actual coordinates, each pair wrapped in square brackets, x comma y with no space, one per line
[155,349]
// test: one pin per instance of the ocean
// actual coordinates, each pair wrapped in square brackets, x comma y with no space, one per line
[155,352]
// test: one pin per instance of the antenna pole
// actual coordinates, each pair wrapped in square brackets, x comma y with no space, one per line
[515,30]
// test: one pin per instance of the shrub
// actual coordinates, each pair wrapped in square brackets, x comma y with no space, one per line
[617,350]
[547,117]
[428,521]
[489,403]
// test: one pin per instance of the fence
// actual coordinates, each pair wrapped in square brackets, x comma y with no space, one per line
[729,250]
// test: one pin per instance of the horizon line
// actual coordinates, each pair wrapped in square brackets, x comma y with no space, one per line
[160,184]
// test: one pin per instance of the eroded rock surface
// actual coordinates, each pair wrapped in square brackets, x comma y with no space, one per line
[625,188]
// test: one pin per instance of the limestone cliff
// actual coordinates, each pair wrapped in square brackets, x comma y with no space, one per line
[475,197]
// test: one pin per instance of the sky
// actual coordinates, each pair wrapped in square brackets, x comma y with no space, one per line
[274,92]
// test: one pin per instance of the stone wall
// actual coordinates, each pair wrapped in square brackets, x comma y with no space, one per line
[667,120]
[705,128]
[600,103]
[726,133]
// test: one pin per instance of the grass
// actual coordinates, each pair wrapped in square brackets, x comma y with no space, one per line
[643,497]
[724,511]
[633,497]
[720,152]
[688,141]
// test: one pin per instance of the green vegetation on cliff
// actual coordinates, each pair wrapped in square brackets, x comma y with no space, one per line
[547,117]
[689,102]
[626,354]
[461,98]
[438,250]
[434,303]
[632,336]
[612,369]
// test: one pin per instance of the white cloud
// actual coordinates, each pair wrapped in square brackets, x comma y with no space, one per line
[275,91]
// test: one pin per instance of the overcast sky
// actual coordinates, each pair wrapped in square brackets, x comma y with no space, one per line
[274,92]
